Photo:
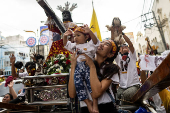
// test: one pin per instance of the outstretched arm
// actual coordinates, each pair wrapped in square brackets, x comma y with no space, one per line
[67,33]
[11,90]
[127,40]
[71,86]
[12,62]
[93,37]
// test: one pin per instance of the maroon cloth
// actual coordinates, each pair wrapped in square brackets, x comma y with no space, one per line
[124,57]
[8,80]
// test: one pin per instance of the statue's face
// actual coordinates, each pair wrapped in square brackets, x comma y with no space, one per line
[116,22]
[66,15]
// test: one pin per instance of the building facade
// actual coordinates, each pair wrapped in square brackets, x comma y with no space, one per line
[13,45]
[162,11]
[43,50]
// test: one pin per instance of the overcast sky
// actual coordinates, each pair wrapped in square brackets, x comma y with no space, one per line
[19,15]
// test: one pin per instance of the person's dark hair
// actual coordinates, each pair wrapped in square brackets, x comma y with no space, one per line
[18,65]
[30,65]
[11,97]
[38,56]
[110,60]
[109,69]
[27,64]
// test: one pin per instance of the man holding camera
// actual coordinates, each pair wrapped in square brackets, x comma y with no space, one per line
[19,65]
[29,66]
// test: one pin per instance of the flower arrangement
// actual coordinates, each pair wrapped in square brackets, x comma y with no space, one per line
[2,78]
[59,63]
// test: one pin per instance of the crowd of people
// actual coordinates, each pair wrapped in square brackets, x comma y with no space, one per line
[12,96]
[103,72]
[93,72]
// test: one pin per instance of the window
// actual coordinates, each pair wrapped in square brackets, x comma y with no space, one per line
[6,63]
[21,54]
[9,52]
[9,72]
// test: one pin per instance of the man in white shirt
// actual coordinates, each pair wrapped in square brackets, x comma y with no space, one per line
[129,80]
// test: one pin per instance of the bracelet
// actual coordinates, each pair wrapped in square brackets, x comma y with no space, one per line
[123,33]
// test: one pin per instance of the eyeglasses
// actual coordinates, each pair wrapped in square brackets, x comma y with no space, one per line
[124,46]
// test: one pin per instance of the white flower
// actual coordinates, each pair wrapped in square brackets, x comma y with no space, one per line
[58,70]
[50,63]
[55,58]
[62,58]
[61,67]
[56,65]
[48,69]
[61,55]
[64,62]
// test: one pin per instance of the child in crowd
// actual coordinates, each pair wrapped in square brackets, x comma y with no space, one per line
[83,44]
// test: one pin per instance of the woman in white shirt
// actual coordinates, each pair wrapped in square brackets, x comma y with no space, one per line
[102,73]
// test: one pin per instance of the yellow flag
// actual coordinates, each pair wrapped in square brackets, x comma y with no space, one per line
[94,25]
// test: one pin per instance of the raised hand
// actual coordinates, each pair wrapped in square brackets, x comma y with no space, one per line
[10,85]
[33,57]
[74,58]
[86,28]
[68,33]
[12,58]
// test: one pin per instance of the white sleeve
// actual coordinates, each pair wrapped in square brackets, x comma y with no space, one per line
[115,79]
[133,55]
[95,45]
[69,46]
[23,74]
[117,58]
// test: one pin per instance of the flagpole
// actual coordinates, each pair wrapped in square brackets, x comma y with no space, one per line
[92,14]
[94,24]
